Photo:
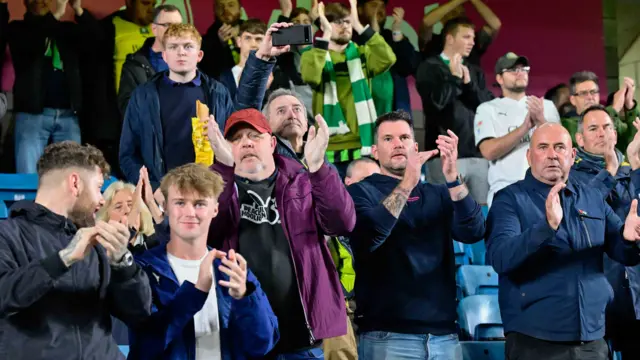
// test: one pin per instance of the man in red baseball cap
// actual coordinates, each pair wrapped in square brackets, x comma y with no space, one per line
[276,213]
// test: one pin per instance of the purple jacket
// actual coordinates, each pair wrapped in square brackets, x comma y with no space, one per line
[310,205]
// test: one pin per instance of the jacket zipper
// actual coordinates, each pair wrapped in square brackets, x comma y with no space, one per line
[312,338]
[584,225]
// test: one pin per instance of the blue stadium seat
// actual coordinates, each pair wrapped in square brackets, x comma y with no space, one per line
[462,254]
[482,350]
[477,280]
[485,210]
[16,187]
[124,349]
[479,318]
[478,252]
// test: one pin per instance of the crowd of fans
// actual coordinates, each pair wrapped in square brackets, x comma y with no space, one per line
[257,180]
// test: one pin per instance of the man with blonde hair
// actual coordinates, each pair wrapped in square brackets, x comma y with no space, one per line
[157,130]
[195,317]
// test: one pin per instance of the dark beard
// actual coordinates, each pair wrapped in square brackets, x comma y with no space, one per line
[341,41]
[517,89]
[82,213]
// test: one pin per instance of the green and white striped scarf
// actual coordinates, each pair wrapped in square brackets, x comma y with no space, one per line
[365,109]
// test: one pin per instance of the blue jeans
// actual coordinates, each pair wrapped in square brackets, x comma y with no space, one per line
[315,353]
[382,345]
[33,132]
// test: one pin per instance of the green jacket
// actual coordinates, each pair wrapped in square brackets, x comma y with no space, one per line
[624,125]
[343,259]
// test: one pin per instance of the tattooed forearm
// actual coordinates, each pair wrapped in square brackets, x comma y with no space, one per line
[396,200]
[459,192]
[65,254]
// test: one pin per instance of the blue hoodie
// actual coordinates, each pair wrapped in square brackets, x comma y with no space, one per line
[248,327]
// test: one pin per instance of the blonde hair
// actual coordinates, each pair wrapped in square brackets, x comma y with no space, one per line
[146,220]
[193,178]
[182,31]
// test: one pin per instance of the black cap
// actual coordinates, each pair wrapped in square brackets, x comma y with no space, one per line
[509,60]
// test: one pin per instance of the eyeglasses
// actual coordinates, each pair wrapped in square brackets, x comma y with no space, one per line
[523,69]
[165,25]
[345,21]
[586,93]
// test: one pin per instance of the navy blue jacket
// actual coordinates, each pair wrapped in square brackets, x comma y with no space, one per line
[405,267]
[248,327]
[618,191]
[141,141]
[552,283]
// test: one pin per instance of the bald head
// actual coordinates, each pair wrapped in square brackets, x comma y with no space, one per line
[551,154]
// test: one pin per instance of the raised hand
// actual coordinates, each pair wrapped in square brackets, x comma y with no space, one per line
[114,237]
[267,50]
[225,33]
[61,8]
[633,149]
[236,267]
[611,158]
[619,99]
[327,30]
[455,66]
[205,272]
[553,207]
[448,147]
[355,19]
[287,7]
[134,214]
[221,147]
[466,77]
[413,170]
[316,145]
[536,109]
[78,248]
[313,13]
[631,91]
[398,18]
[76,5]
[631,230]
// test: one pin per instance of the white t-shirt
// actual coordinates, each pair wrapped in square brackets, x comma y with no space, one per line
[497,118]
[206,322]
[237,73]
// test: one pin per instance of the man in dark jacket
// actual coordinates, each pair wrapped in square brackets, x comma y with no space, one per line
[207,304]
[276,214]
[147,61]
[219,43]
[600,164]
[402,244]
[451,90]
[61,273]
[546,238]
[167,103]
[48,87]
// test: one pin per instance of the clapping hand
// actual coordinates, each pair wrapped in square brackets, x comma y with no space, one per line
[553,206]
[448,147]
[633,149]
[632,223]
[316,145]
[235,266]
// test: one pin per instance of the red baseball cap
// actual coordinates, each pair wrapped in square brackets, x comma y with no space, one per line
[251,117]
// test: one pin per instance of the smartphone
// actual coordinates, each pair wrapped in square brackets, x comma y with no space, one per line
[293,35]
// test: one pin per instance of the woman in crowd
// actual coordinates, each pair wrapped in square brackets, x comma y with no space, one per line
[135,206]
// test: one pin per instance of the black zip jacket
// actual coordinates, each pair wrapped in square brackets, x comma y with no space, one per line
[136,70]
[448,103]
[27,42]
[218,56]
[50,312]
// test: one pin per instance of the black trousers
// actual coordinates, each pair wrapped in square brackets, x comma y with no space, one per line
[523,347]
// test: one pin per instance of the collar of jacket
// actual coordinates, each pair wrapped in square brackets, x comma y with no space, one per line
[42,216]
[595,163]
[531,182]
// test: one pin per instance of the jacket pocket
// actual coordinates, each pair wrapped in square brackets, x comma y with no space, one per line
[595,294]
[591,228]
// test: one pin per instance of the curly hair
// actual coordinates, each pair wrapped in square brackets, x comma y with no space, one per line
[182,30]
[69,154]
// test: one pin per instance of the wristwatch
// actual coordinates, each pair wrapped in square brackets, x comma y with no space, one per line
[455,183]
[125,261]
